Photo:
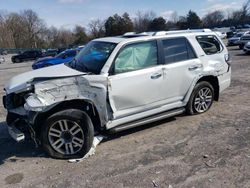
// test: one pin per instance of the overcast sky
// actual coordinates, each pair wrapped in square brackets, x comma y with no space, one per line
[67,13]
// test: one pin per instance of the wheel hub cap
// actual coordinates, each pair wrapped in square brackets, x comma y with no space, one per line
[203,100]
[66,137]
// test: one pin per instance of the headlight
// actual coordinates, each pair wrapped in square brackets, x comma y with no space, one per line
[34,103]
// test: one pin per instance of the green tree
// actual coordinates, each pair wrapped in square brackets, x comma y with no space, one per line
[158,24]
[193,20]
[80,35]
[117,25]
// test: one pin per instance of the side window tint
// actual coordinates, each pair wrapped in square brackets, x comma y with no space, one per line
[136,56]
[177,49]
[210,44]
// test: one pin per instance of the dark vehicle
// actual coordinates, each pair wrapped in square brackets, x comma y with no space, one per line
[26,56]
[230,34]
[51,52]
[59,50]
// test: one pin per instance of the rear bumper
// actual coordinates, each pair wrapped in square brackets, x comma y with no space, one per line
[225,80]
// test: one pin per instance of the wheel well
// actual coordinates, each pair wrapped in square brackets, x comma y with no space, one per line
[85,106]
[214,82]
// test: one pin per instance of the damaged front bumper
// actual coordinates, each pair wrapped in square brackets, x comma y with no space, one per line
[20,124]
[16,134]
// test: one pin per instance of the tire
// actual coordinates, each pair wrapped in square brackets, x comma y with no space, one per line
[241,46]
[201,98]
[67,134]
[17,60]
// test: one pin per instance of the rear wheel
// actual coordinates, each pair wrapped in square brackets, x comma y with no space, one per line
[17,60]
[201,99]
[68,134]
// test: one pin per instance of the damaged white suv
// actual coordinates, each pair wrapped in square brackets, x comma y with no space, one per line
[117,83]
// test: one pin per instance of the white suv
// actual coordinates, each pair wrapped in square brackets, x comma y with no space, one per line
[117,83]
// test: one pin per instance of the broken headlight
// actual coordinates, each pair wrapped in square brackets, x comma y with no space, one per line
[34,103]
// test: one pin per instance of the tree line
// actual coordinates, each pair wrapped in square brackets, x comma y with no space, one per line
[26,30]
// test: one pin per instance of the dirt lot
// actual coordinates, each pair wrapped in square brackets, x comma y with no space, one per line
[210,150]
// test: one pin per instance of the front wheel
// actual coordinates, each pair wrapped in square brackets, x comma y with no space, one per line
[201,99]
[68,134]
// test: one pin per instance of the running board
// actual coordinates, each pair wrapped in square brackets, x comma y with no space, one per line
[147,120]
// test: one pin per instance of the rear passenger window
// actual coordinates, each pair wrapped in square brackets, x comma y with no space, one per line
[210,44]
[177,49]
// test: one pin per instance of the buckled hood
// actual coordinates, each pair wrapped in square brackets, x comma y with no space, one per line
[22,81]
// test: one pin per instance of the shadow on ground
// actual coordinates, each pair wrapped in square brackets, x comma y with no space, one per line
[11,150]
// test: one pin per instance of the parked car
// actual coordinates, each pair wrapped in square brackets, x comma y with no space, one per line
[247,48]
[114,84]
[63,57]
[50,52]
[222,35]
[2,59]
[243,40]
[59,50]
[234,41]
[230,34]
[26,56]
[4,52]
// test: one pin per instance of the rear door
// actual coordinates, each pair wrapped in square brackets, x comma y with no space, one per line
[181,66]
[134,85]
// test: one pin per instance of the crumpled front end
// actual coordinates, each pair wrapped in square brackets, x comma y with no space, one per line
[24,107]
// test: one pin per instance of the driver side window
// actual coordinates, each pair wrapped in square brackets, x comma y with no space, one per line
[136,56]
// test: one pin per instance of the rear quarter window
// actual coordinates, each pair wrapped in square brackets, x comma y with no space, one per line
[210,44]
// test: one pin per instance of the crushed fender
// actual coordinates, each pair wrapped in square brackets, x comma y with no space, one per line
[96,141]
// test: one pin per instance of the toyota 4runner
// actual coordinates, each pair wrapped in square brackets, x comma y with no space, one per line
[116,83]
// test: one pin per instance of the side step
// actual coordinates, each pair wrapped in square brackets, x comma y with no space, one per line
[147,120]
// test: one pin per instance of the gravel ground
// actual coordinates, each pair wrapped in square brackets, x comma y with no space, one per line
[209,150]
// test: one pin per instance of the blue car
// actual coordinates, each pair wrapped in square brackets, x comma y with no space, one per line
[63,57]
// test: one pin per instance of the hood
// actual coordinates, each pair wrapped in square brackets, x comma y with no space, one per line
[22,81]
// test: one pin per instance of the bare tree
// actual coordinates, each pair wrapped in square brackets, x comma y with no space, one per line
[96,28]
[143,20]
[33,25]
[213,19]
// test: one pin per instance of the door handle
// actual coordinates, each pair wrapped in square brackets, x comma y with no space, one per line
[194,67]
[156,76]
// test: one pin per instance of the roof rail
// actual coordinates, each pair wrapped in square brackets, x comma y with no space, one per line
[158,33]
[134,34]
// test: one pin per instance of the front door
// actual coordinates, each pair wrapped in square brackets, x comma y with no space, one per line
[134,85]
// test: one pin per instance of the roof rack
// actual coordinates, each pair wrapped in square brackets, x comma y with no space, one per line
[159,33]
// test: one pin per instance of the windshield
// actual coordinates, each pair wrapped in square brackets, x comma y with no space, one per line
[93,57]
